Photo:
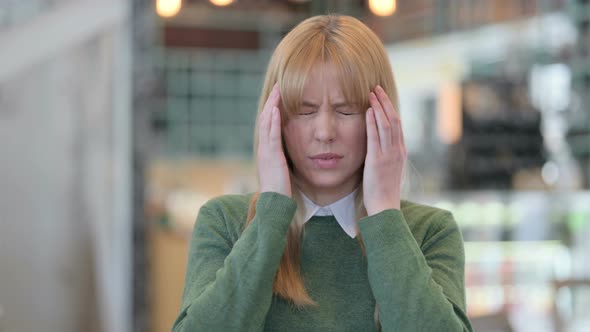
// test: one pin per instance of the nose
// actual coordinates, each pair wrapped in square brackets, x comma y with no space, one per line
[325,126]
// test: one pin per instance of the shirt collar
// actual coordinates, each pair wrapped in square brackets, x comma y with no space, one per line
[343,210]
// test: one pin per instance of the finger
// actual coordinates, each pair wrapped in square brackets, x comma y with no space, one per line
[275,130]
[272,100]
[263,127]
[391,113]
[265,115]
[372,136]
[386,104]
[383,124]
[400,135]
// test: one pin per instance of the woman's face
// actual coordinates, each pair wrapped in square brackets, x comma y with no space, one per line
[326,138]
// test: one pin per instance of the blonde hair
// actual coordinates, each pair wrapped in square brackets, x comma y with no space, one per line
[361,64]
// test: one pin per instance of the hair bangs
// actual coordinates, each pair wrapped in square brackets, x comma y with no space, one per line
[296,71]
[354,82]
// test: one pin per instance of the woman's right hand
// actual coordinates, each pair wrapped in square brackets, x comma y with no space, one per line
[273,172]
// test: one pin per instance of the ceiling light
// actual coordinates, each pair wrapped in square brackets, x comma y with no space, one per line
[168,8]
[221,3]
[383,7]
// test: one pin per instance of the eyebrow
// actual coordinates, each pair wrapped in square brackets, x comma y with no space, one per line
[306,103]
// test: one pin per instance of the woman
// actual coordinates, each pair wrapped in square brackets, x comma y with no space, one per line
[326,244]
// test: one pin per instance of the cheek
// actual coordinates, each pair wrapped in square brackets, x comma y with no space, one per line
[358,128]
[292,139]
[295,131]
[359,138]
[289,134]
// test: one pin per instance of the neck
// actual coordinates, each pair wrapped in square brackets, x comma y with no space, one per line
[328,195]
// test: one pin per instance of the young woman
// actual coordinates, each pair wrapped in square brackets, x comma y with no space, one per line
[326,244]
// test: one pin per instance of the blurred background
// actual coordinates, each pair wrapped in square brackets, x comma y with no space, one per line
[119,118]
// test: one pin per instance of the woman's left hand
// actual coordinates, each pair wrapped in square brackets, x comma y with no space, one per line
[386,155]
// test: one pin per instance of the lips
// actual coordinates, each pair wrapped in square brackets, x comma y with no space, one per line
[326,156]
[326,160]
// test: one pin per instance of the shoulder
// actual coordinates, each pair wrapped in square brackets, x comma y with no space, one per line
[228,204]
[426,221]
[420,213]
[230,210]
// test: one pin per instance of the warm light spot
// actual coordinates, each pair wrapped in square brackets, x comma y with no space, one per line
[222,3]
[449,117]
[383,7]
[168,8]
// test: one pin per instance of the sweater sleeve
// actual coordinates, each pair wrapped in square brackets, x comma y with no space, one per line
[417,288]
[228,286]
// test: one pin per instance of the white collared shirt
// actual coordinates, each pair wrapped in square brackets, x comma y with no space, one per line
[342,210]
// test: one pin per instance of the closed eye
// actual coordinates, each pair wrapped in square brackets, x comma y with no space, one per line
[307,109]
[346,109]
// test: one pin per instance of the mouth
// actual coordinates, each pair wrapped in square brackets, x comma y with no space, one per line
[326,156]
[326,160]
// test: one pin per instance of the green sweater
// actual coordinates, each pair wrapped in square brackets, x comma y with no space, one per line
[413,270]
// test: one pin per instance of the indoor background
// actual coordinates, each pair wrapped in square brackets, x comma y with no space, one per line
[120,118]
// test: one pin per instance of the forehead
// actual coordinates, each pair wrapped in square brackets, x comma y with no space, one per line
[323,81]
